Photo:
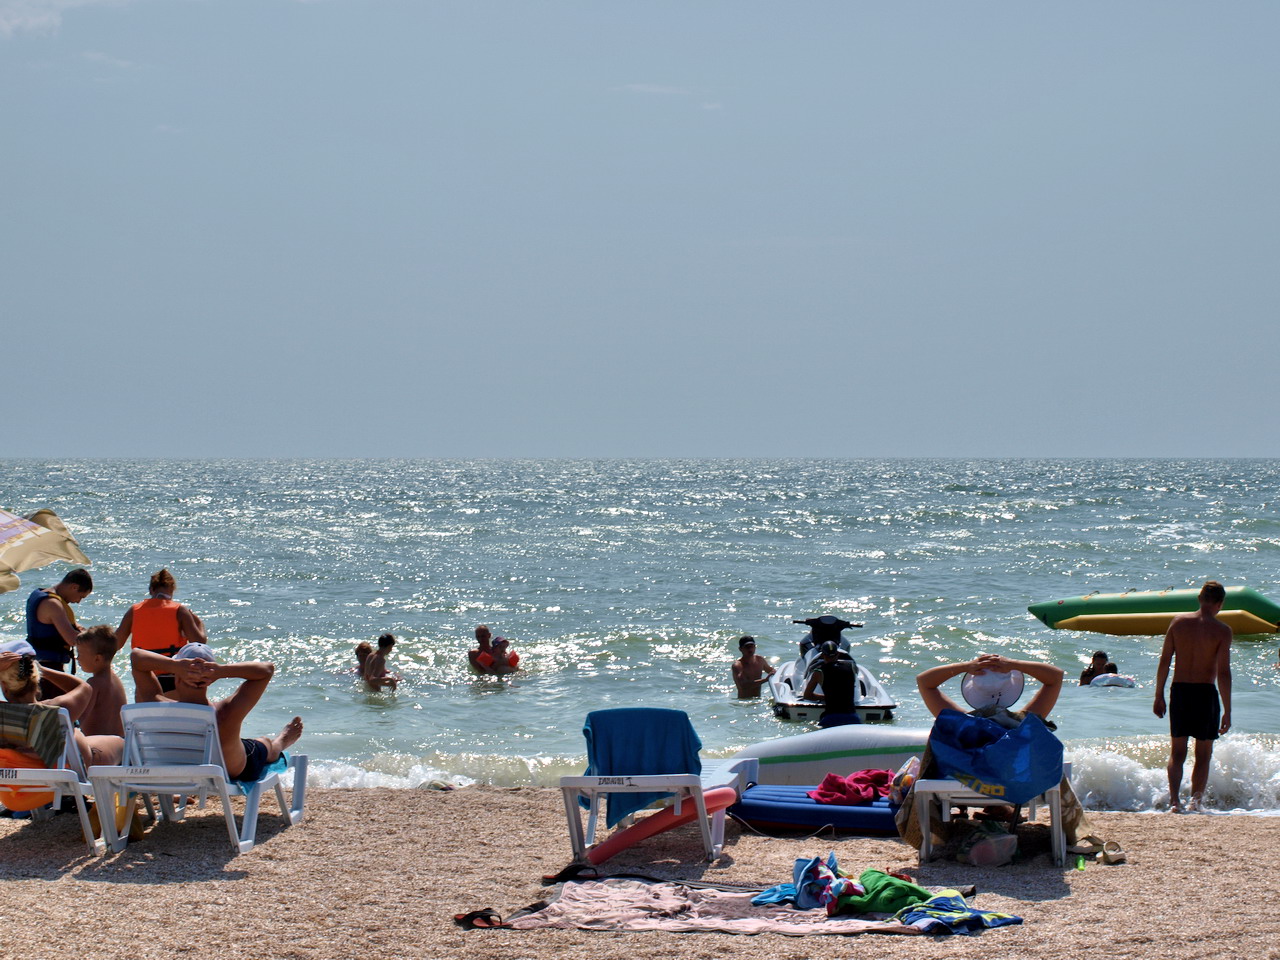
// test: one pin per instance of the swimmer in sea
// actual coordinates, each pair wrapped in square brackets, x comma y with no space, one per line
[1097,667]
[750,670]
[1199,647]
[376,675]
[492,655]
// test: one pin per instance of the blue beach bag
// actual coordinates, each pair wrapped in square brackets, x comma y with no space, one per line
[1010,765]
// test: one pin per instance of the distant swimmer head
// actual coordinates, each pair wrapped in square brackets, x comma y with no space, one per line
[195,651]
[746,642]
[1100,656]
[992,689]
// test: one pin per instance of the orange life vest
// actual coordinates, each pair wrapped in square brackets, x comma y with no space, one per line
[155,626]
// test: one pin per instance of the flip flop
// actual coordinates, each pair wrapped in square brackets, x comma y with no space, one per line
[1112,853]
[485,919]
[1088,846]
[573,873]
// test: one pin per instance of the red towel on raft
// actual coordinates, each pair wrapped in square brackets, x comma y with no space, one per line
[861,786]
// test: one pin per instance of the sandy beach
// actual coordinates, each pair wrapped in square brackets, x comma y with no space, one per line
[381,873]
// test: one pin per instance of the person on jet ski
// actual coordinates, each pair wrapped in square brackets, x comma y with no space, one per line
[835,673]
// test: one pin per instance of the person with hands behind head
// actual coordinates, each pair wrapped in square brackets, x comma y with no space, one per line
[999,690]
[194,670]
[21,679]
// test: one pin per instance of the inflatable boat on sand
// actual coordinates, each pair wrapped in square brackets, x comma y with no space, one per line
[808,757]
[790,767]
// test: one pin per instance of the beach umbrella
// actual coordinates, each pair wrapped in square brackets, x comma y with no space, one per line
[30,542]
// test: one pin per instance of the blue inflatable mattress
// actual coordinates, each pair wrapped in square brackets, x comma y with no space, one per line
[787,806]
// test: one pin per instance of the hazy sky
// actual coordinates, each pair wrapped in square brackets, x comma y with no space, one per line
[410,228]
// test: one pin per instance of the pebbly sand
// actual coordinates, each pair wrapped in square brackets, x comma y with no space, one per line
[380,873]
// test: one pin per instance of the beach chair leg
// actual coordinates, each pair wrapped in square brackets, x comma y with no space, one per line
[926,828]
[717,834]
[593,818]
[299,789]
[704,826]
[95,846]
[574,820]
[106,797]
[249,821]
[1057,834]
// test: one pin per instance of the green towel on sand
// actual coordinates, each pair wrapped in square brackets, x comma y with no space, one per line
[884,894]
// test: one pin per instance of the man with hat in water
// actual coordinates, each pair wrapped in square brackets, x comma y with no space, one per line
[194,669]
[749,671]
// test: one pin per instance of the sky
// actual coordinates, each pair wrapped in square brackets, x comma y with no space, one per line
[407,228]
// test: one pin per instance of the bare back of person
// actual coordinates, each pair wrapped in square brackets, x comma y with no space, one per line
[103,715]
[1198,639]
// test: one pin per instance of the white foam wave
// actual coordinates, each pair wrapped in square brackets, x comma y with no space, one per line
[1130,775]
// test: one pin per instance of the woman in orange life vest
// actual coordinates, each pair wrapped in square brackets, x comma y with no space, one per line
[160,623]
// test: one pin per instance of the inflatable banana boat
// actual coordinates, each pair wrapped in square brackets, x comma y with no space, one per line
[1146,613]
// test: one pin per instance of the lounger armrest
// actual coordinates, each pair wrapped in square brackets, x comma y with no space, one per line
[736,773]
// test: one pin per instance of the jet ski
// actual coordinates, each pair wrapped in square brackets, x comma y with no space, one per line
[872,702]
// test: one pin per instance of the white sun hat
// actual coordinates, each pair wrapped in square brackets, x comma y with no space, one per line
[992,689]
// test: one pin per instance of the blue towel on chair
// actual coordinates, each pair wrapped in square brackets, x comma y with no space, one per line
[639,741]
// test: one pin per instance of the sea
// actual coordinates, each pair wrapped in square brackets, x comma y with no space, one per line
[629,582]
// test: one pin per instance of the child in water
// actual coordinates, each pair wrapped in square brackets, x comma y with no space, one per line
[376,675]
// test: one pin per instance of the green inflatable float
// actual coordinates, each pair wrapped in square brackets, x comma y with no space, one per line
[1146,613]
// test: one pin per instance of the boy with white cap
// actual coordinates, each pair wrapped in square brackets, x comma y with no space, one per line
[194,668]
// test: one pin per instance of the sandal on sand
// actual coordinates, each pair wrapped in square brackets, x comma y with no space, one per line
[485,919]
[1111,854]
[1088,846]
[573,873]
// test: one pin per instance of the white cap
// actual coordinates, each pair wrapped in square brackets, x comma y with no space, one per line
[992,689]
[195,651]
[20,647]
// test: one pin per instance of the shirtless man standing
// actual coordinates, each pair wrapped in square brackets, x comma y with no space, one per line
[750,671]
[194,669]
[1199,645]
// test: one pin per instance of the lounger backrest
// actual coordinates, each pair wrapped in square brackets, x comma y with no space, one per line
[170,734]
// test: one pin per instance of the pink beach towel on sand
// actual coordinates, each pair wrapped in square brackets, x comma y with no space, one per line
[861,786]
